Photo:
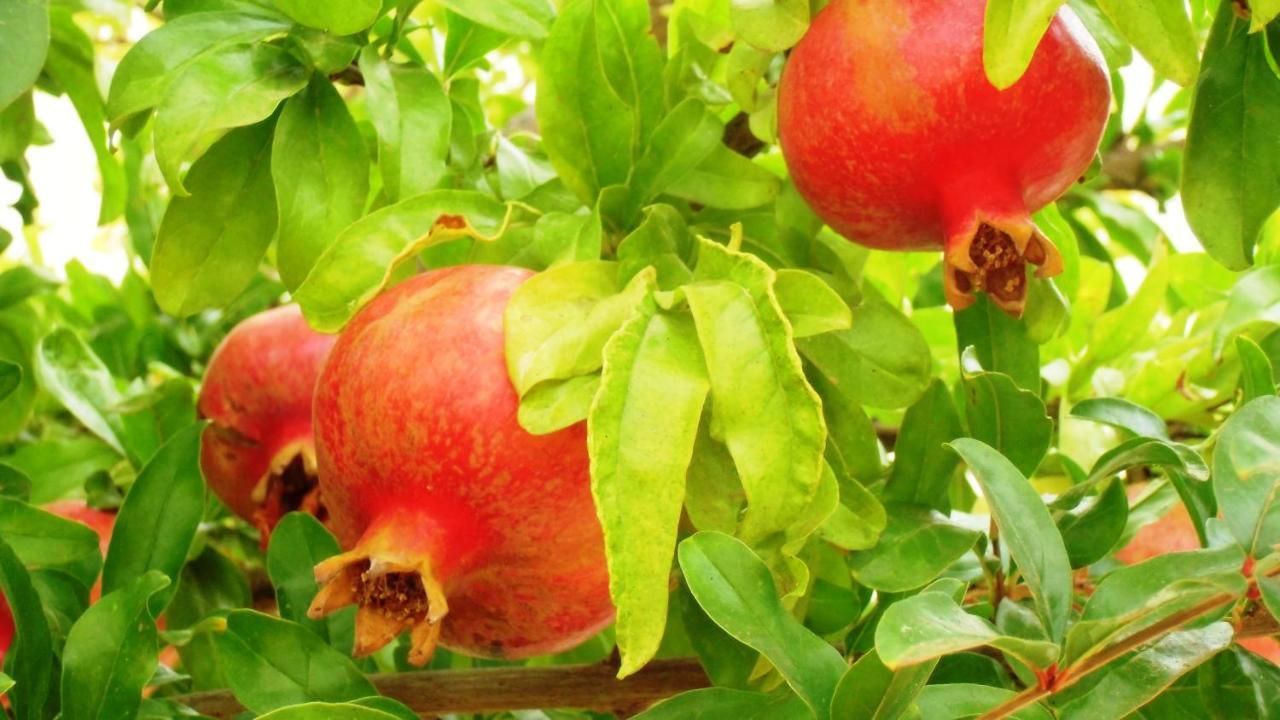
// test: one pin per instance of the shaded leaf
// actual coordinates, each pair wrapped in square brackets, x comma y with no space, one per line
[882,359]
[923,467]
[31,642]
[1246,474]
[298,543]
[929,625]
[916,547]
[413,117]
[1123,414]
[871,690]
[810,304]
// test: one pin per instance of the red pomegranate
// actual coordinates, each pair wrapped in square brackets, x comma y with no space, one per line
[446,503]
[257,452]
[896,138]
[98,521]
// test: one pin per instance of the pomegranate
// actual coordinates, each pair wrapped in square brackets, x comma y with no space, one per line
[98,521]
[257,452]
[446,503]
[892,132]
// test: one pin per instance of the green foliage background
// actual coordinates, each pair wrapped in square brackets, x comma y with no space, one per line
[872,506]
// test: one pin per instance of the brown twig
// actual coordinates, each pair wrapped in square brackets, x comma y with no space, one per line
[440,692]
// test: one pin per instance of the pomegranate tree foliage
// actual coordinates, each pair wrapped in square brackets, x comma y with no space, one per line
[845,500]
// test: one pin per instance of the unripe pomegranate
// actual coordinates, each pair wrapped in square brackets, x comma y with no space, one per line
[446,503]
[99,521]
[257,452]
[896,138]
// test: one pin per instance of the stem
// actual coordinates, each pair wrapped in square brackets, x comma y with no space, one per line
[997,585]
[442,692]
[1073,674]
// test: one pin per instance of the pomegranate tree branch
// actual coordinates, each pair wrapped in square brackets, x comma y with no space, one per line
[442,692]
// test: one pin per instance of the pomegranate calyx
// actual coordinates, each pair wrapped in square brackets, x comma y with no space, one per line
[393,589]
[290,483]
[993,258]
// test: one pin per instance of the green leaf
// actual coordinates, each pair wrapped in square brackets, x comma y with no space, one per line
[1162,32]
[810,304]
[44,541]
[26,33]
[1001,342]
[870,690]
[211,243]
[1246,474]
[737,591]
[298,543]
[111,653]
[1112,335]
[31,644]
[522,18]
[320,170]
[772,25]
[954,701]
[1257,379]
[916,547]
[10,378]
[858,520]
[466,45]
[769,417]
[1136,452]
[271,663]
[1136,681]
[1231,172]
[720,702]
[14,484]
[882,359]
[56,467]
[324,711]
[1090,533]
[229,88]
[1008,418]
[1118,412]
[21,282]
[1011,34]
[557,322]
[727,180]
[929,625]
[653,368]
[70,64]
[599,92]
[557,404]
[360,261]
[1027,531]
[1134,598]
[923,467]
[150,67]
[342,18]
[158,520]
[70,372]
[1254,299]
[19,336]
[687,135]
[6,684]
[413,118]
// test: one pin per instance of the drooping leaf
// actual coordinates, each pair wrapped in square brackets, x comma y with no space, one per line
[211,243]
[1026,530]
[273,663]
[810,304]
[1092,532]
[111,653]
[1257,379]
[225,89]
[882,359]
[298,543]
[1123,414]
[653,368]
[158,520]
[1254,299]
[724,179]
[44,541]
[1011,33]
[871,690]
[70,371]
[523,18]
[1231,170]
[1007,418]
[359,262]
[26,42]
[771,25]
[923,467]
[21,282]
[737,591]
[687,135]
[413,117]
[953,701]
[1000,342]
[10,378]
[320,170]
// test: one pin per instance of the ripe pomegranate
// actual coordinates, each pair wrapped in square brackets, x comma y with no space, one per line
[896,138]
[257,453]
[446,503]
[98,521]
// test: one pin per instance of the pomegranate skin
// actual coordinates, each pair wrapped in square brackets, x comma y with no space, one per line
[894,135]
[97,520]
[257,453]
[435,487]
